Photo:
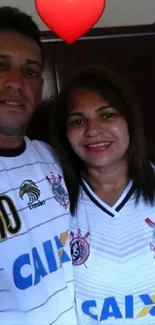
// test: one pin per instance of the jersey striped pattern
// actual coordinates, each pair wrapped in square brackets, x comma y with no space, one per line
[113,250]
[36,278]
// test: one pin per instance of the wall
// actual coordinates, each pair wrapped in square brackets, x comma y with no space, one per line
[131,53]
[117,13]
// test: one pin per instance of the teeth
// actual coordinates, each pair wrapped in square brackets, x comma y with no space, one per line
[12,103]
[103,144]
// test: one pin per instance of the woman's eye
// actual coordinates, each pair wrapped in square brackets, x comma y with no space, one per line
[107,116]
[77,122]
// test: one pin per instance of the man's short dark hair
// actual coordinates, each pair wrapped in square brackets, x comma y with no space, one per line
[14,20]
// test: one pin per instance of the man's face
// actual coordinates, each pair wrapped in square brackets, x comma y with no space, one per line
[20,81]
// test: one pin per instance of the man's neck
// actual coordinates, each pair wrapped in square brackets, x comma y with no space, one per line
[10,142]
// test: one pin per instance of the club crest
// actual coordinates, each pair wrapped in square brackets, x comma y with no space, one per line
[59,192]
[80,248]
[151,224]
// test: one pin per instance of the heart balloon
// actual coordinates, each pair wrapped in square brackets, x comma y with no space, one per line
[70,19]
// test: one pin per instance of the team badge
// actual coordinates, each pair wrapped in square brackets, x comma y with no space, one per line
[59,192]
[80,248]
[151,224]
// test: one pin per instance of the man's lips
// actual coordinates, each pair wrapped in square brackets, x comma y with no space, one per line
[12,103]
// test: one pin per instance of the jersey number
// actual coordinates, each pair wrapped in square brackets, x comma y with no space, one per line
[9,218]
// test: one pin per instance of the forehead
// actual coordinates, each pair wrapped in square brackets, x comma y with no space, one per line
[85,98]
[15,45]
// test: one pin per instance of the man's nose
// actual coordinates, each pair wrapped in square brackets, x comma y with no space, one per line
[14,80]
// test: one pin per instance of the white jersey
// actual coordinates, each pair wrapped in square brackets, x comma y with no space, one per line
[36,280]
[113,252]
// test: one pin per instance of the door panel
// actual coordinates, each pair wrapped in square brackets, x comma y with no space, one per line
[133,57]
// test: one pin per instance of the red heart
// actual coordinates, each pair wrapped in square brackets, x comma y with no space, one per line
[70,19]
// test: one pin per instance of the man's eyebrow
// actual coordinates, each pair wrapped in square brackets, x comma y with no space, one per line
[34,62]
[28,61]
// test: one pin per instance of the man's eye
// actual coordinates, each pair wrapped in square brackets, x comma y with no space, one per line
[33,73]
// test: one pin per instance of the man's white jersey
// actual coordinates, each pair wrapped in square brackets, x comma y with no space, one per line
[113,253]
[36,280]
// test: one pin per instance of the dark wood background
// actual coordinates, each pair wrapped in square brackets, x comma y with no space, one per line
[128,50]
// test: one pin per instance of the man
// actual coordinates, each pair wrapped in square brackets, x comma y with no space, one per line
[36,282]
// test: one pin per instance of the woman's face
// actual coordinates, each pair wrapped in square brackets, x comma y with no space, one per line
[96,131]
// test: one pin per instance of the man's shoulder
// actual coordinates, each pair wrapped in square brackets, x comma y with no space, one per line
[42,150]
[40,145]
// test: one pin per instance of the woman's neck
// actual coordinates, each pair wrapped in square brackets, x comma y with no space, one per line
[108,183]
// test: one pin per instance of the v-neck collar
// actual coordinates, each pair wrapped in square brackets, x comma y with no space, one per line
[110,210]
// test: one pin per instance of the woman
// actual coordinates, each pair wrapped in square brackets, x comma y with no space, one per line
[99,138]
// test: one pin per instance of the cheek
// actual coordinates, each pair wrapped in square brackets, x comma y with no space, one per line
[2,82]
[121,132]
[34,91]
[74,137]
[71,136]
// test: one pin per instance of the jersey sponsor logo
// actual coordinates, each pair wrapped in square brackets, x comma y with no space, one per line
[31,190]
[151,224]
[111,309]
[10,222]
[80,248]
[30,268]
[58,191]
